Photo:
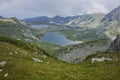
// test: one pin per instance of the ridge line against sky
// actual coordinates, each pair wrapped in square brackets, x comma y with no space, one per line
[32,8]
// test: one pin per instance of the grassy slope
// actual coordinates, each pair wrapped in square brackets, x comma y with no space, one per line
[15,28]
[21,67]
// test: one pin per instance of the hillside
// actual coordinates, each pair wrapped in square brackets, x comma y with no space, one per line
[113,15]
[33,64]
[115,45]
[111,22]
[87,21]
[17,29]
[77,53]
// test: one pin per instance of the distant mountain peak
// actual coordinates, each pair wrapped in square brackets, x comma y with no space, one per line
[1,17]
[57,17]
[114,15]
[116,9]
[119,6]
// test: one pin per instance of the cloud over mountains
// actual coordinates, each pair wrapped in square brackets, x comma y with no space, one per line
[30,8]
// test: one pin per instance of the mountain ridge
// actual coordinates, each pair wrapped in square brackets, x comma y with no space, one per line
[113,15]
[56,19]
[111,22]
[17,29]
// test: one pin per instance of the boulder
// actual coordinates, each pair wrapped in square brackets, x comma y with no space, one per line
[5,75]
[100,59]
[3,63]
[1,70]
[37,60]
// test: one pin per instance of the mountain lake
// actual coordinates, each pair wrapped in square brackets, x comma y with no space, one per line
[59,39]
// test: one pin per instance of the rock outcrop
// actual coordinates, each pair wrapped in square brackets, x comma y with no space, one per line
[79,52]
[113,15]
[3,63]
[100,59]
[37,60]
[115,45]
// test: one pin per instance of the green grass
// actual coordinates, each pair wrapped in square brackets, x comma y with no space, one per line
[21,67]
[22,44]
[18,43]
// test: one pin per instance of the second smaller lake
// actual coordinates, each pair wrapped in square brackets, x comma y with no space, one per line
[39,26]
[58,39]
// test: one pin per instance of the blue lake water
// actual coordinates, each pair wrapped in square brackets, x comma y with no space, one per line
[39,26]
[58,39]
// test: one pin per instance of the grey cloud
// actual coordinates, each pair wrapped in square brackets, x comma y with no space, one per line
[30,8]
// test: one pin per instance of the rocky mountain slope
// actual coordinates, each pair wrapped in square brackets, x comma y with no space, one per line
[16,29]
[111,22]
[113,15]
[111,28]
[115,45]
[77,53]
[88,20]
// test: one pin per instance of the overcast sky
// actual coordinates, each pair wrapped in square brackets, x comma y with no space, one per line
[33,8]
